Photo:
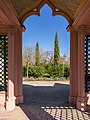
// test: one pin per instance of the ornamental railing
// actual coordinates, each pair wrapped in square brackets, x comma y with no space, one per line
[3,62]
[87,62]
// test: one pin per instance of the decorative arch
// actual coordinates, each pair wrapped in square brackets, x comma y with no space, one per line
[55,11]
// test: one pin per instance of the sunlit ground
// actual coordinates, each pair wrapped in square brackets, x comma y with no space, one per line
[48,100]
[45,101]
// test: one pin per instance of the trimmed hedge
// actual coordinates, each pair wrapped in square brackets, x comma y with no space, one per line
[47,71]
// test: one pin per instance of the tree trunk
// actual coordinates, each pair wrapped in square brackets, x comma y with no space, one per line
[27,71]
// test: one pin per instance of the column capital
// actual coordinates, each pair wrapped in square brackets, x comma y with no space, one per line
[70,28]
[83,26]
[12,29]
[81,29]
[22,28]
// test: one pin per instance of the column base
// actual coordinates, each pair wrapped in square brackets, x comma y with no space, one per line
[88,98]
[19,99]
[81,103]
[2,98]
[72,99]
[10,104]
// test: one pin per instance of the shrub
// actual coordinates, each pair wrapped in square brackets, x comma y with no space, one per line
[47,70]
[66,72]
[24,72]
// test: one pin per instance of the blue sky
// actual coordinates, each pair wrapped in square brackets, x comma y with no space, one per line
[42,29]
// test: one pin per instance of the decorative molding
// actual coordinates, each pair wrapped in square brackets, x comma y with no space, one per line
[70,7]
[84,29]
[55,11]
[23,6]
[81,18]
[83,2]
[7,14]
[70,10]
[59,12]
[26,8]
[4,30]
[70,28]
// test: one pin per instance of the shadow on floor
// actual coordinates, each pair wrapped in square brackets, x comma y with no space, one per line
[51,95]
[50,103]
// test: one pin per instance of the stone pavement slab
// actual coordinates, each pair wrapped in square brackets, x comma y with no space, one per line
[64,112]
[16,114]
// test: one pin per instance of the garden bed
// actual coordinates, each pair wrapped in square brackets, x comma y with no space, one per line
[43,79]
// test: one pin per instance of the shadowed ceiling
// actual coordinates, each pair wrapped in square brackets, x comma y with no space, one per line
[69,7]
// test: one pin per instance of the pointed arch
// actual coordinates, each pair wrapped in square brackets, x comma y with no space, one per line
[55,11]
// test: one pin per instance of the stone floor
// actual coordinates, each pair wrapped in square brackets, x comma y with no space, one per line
[45,101]
[16,114]
[66,112]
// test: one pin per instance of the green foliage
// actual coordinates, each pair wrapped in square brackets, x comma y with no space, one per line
[46,75]
[37,71]
[30,71]
[24,72]
[56,51]
[37,54]
[47,70]
[57,71]
[66,72]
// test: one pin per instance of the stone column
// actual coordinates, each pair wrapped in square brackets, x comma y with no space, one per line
[73,65]
[81,99]
[10,101]
[18,67]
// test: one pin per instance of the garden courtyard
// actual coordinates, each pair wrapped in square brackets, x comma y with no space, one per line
[45,100]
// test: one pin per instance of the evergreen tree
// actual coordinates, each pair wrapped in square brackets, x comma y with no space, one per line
[56,51]
[37,54]
[66,72]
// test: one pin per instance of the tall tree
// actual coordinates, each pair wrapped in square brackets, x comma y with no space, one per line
[28,57]
[56,51]
[47,56]
[37,54]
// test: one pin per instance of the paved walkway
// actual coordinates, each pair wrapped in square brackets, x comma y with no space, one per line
[45,101]
[49,101]
[16,114]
